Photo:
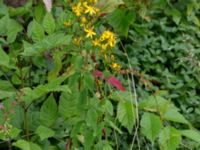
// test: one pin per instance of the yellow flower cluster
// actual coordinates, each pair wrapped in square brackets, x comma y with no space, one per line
[87,13]
[86,7]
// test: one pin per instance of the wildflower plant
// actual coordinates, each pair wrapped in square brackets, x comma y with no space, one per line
[64,87]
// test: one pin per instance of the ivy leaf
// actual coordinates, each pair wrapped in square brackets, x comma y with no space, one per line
[49,23]
[192,134]
[25,145]
[44,132]
[126,114]
[169,138]
[150,125]
[48,112]
[121,19]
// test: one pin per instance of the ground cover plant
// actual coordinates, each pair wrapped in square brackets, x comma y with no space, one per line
[99,75]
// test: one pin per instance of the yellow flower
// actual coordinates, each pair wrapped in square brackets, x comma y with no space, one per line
[108,37]
[89,9]
[67,23]
[115,66]
[96,42]
[77,41]
[104,46]
[77,9]
[83,20]
[90,32]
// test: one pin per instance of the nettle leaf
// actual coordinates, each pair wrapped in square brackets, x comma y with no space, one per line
[49,23]
[13,27]
[151,126]
[25,145]
[68,105]
[54,86]
[169,138]
[192,134]
[172,114]
[35,31]
[44,132]
[126,114]
[121,19]
[88,139]
[91,118]
[48,112]
[4,58]
[47,43]
[165,108]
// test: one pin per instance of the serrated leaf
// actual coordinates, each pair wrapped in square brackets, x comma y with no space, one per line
[48,112]
[47,43]
[55,85]
[35,31]
[24,145]
[126,115]
[91,118]
[13,27]
[166,109]
[172,114]
[4,58]
[44,132]
[68,105]
[121,19]
[150,126]
[49,23]
[192,134]
[169,138]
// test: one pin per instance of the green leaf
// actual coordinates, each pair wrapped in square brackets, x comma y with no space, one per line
[192,134]
[47,43]
[24,145]
[126,114]
[44,132]
[169,138]
[172,114]
[53,86]
[150,126]
[121,19]
[89,81]
[68,105]
[108,107]
[165,108]
[6,94]
[4,58]
[49,23]
[13,27]
[176,16]
[88,139]
[91,118]
[35,31]
[48,112]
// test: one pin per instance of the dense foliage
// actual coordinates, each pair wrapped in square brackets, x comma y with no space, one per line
[99,75]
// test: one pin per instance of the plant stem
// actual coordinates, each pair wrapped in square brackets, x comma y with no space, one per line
[26,123]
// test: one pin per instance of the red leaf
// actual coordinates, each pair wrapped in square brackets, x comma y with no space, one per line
[97,74]
[113,81]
